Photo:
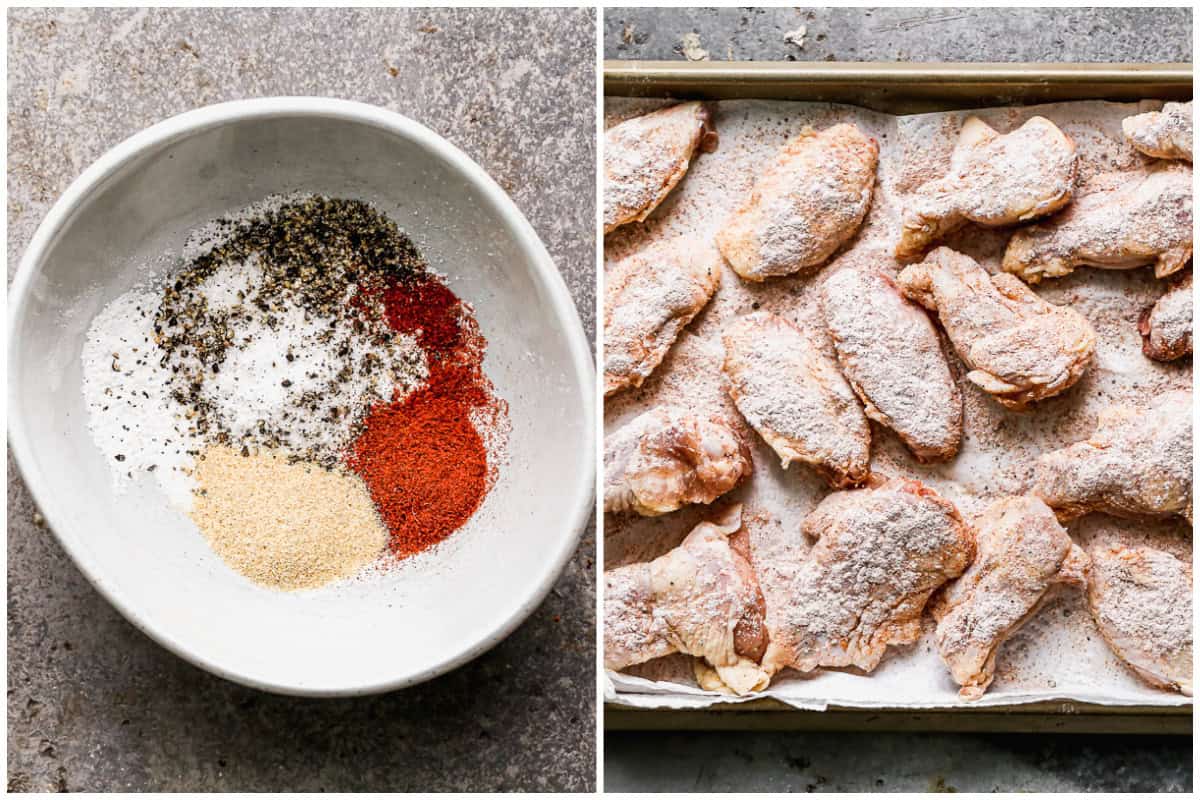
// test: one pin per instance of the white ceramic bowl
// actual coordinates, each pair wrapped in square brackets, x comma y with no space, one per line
[407,624]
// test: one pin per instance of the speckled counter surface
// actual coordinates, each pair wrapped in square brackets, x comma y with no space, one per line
[95,705]
[898,762]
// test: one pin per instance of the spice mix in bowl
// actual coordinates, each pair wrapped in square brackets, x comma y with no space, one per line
[302,360]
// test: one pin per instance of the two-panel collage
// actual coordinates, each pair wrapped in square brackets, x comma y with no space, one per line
[599,399]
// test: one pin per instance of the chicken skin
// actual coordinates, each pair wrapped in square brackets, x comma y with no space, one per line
[795,398]
[806,204]
[878,555]
[1141,599]
[994,179]
[1162,134]
[1023,552]
[1137,463]
[667,458]
[646,156]
[701,599]
[1020,349]
[1145,218]
[649,298]
[1166,327]
[890,353]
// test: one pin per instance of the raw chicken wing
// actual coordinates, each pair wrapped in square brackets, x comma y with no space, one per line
[1019,347]
[994,180]
[667,458]
[1166,327]
[796,399]
[1162,134]
[804,206]
[1023,552]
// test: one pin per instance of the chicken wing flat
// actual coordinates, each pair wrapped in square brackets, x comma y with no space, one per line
[1141,599]
[1166,327]
[890,353]
[649,298]
[1019,347]
[795,398]
[1162,134]
[701,599]
[1023,552]
[879,554]
[668,457]
[1145,219]
[805,206]
[646,156]
[1137,463]
[994,179]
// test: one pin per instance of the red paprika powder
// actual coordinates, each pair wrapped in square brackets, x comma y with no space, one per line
[423,458]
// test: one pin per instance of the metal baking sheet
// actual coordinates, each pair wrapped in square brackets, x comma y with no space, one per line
[904,89]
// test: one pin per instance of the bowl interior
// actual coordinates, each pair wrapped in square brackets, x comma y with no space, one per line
[388,629]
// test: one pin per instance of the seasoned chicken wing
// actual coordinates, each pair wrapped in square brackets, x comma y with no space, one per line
[1162,134]
[879,554]
[1146,218]
[701,599]
[1166,327]
[806,204]
[1141,599]
[890,352]
[994,179]
[1019,347]
[646,156]
[668,457]
[1138,462]
[1023,552]
[649,298]
[795,398]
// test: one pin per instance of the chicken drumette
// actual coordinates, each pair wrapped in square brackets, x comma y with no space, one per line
[804,206]
[890,352]
[701,599]
[1019,347]
[1023,552]
[646,156]
[994,179]
[1166,327]
[795,398]
[1138,462]
[1141,599]
[667,458]
[879,554]
[648,299]
[1141,218]
[1162,134]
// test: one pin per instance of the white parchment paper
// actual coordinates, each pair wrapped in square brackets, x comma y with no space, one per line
[1058,655]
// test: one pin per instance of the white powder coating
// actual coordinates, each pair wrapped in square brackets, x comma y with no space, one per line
[795,398]
[134,421]
[645,157]
[1141,599]
[890,353]
[808,202]
[879,554]
[1162,134]
[1136,219]
[1059,653]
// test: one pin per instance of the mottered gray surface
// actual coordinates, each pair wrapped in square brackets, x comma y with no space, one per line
[894,762]
[93,704]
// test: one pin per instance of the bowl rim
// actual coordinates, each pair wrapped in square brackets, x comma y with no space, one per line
[581,495]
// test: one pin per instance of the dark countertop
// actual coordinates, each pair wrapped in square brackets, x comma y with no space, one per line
[95,705]
[895,762]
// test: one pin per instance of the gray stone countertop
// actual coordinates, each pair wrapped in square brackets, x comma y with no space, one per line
[746,762]
[93,704]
